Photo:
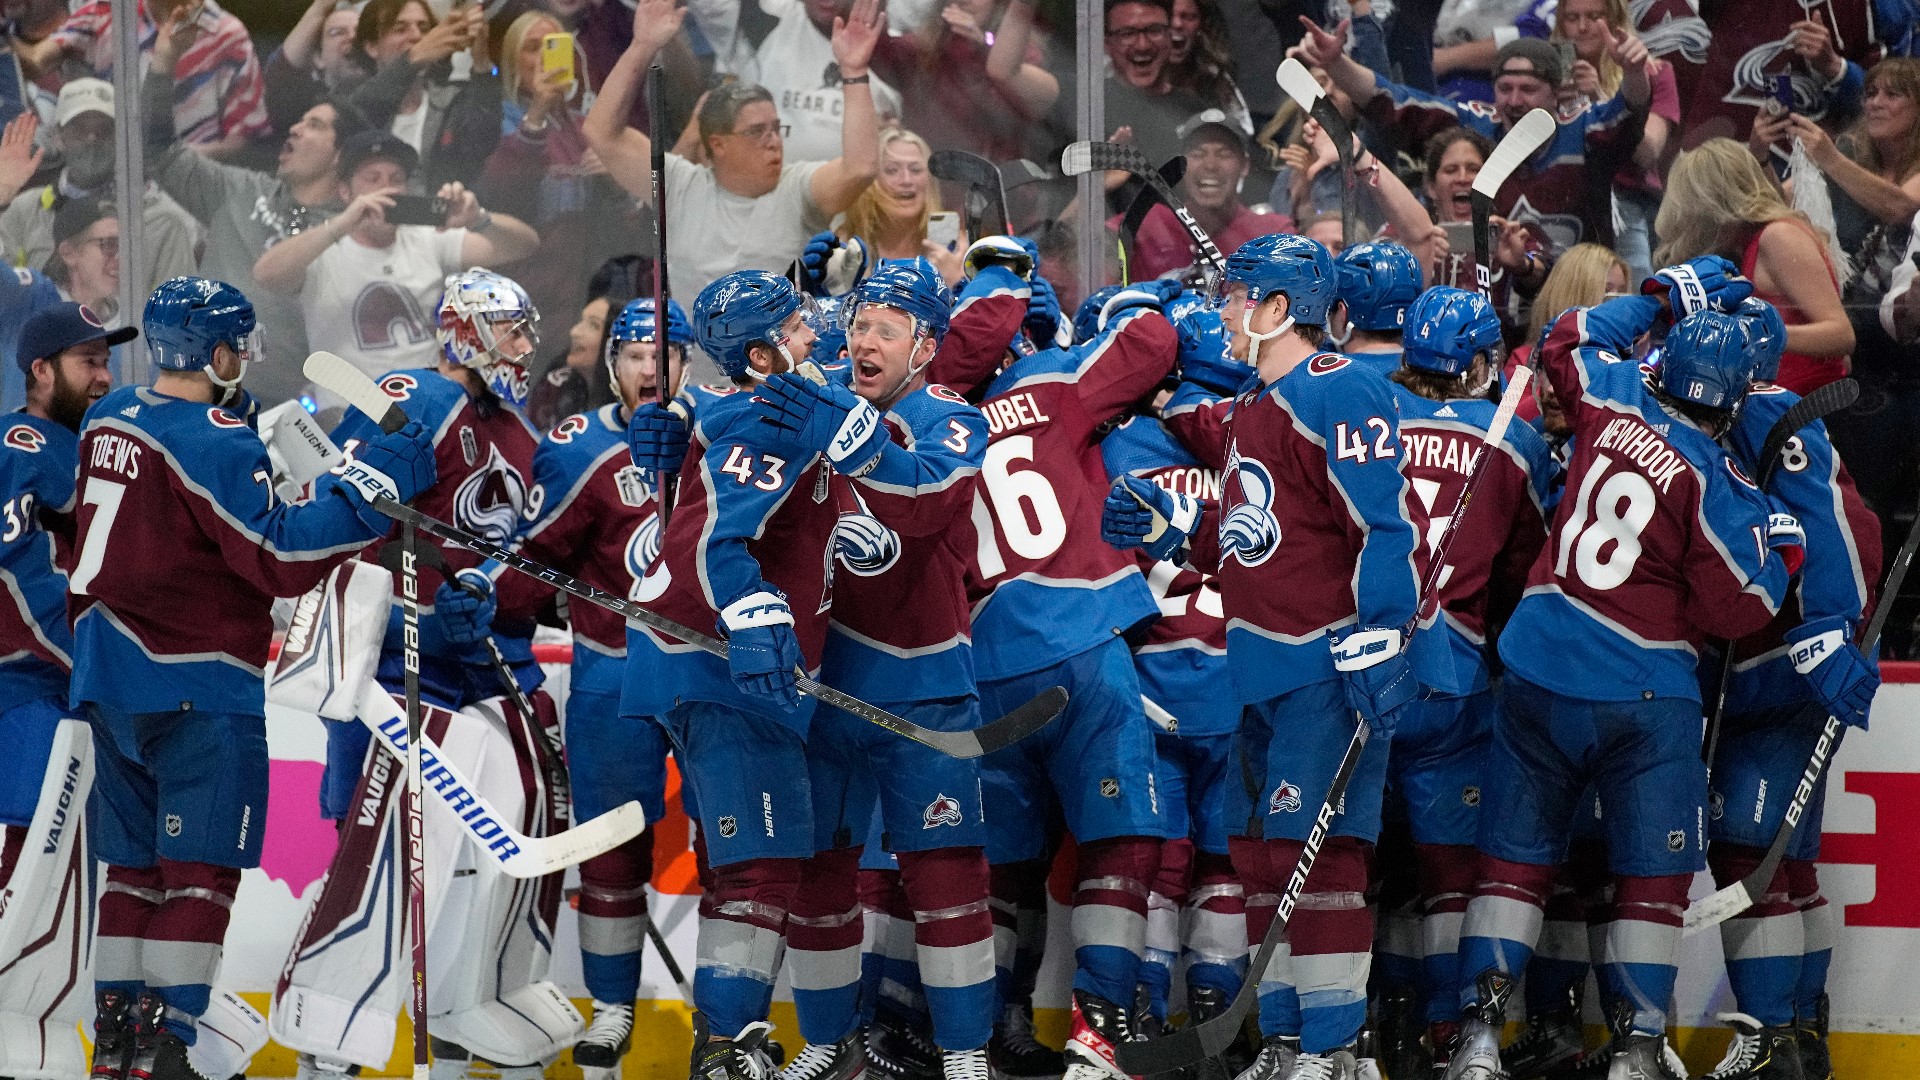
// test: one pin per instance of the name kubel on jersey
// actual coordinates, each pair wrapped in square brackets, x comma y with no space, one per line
[37,458]
[1656,501]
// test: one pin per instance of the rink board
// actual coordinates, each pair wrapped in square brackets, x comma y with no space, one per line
[1872,875]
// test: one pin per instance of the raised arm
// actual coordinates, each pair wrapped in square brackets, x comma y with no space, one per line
[283,266]
[1007,66]
[1888,202]
[625,151]
[1326,49]
[492,239]
[304,38]
[837,183]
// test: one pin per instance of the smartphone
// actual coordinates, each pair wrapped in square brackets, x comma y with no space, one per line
[943,228]
[1459,237]
[417,210]
[1779,94]
[556,54]
[1567,58]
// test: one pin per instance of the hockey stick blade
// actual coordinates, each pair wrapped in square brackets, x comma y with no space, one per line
[1298,83]
[1522,141]
[980,176]
[330,372]
[1823,402]
[1304,89]
[1083,157]
[516,854]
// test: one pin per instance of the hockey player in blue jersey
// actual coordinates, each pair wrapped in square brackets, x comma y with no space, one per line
[175,488]
[905,539]
[1659,541]
[1786,681]
[1378,280]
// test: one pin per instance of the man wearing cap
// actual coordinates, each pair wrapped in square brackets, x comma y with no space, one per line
[1217,163]
[86,256]
[369,288]
[1565,190]
[85,115]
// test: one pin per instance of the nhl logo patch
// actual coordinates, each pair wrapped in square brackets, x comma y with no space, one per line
[469,446]
[943,810]
[1676,840]
[1470,796]
[1284,800]
[173,825]
[728,827]
[1716,805]
[1109,788]
[632,486]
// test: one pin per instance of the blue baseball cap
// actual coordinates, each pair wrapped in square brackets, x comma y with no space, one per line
[53,330]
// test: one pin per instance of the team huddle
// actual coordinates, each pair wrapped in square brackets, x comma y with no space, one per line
[1259,596]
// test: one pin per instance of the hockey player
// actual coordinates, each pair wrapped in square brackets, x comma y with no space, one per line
[592,514]
[1182,661]
[1659,540]
[1316,637]
[743,559]
[899,638]
[1787,679]
[1378,279]
[175,488]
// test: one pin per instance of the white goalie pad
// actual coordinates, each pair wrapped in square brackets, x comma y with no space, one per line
[47,922]
[230,1033]
[525,1026]
[333,642]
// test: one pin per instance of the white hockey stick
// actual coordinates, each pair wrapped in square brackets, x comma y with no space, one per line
[518,855]
[1522,141]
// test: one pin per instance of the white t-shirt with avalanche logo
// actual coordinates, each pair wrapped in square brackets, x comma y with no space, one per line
[794,64]
[376,307]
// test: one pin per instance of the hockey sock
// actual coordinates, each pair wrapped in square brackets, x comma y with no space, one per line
[1397,953]
[1562,956]
[1803,885]
[823,945]
[1446,884]
[127,905]
[1643,945]
[1018,901]
[889,967]
[1163,923]
[1332,937]
[1763,944]
[613,918]
[1262,881]
[1503,921]
[1217,932]
[15,839]
[953,939]
[742,942]
[181,957]
[1110,915]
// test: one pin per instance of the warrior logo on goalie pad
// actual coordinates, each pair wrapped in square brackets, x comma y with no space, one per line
[1250,532]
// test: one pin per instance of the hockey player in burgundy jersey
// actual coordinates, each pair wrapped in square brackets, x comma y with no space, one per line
[898,637]
[1317,565]
[175,488]
[1378,279]
[591,513]
[1181,660]
[1787,679]
[1659,541]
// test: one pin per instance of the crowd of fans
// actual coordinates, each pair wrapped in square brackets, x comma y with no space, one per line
[336,162]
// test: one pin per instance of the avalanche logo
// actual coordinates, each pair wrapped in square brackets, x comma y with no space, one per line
[571,426]
[1250,532]
[23,437]
[642,548]
[489,500]
[864,545]
[223,418]
[1326,363]
[945,394]
[399,386]
[943,810]
[1284,800]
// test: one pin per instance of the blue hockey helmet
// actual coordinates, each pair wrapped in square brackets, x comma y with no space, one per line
[1297,267]
[186,318]
[1086,318]
[1706,360]
[1205,357]
[909,286]
[1446,329]
[636,323]
[1766,336]
[474,302]
[742,309]
[1377,282]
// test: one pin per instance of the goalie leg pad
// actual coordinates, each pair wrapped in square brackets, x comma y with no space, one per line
[528,1025]
[333,642]
[230,1033]
[47,902]
[32,1049]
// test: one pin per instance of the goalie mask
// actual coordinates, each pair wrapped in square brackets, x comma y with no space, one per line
[473,310]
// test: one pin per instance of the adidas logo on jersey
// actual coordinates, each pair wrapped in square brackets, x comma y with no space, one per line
[1445,410]
[130,411]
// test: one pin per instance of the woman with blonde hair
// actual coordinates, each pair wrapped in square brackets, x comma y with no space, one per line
[890,217]
[1585,275]
[1720,202]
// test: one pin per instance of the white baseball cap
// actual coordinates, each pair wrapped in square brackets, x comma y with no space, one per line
[83,96]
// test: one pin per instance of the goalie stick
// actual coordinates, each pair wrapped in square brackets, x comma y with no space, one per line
[1304,89]
[986,189]
[1823,401]
[1522,141]
[1211,1038]
[416,825]
[1085,157]
[667,482]
[1721,905]
[329,371]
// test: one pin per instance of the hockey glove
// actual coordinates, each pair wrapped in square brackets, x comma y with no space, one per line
[1374,671]
[399,466]
[1017,255]
[813,261]
[1142,514]
[1785,536]
[1042,323]
[1842,677]
[1698,284]
[762,652]
[657,437]
[465,607]
[824,417]
[1153,295]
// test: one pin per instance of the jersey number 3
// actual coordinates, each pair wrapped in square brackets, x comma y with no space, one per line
[1023,503]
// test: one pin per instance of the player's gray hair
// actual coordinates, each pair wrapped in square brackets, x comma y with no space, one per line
[723,106]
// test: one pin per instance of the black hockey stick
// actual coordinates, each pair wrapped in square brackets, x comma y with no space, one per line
[1304,89]
[1724,904]
[1085,157]
[663,380]
[986,189]
[1211,1038]
[1823,401]
[1522,141]
[1172,171]
[416,831]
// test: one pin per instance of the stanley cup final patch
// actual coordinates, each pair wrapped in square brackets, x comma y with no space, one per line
[633,488]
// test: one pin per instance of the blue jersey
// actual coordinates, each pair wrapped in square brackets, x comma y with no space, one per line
[182,546]
[1658,541]
[1383,364]
[1843,548]
[37,462]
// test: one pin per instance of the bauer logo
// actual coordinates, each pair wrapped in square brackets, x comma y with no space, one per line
[728,827]
[1284,800]
[22,437]
[943,810]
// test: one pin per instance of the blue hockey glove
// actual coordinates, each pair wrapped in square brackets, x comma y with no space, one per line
[813,261]
[1141,514]
[1153,295]
[1708,281]
[399,466]
[1373,667]
[762,652]
[1842,677]
[465,607]
[1785,536]
[1042,323]
[657,438]
[828,418]
[1017,255]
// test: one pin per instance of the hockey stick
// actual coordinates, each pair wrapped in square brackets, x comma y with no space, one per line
[1724,904]
[667,482]
[1304,89]
[416,830]
[1522,141]
[673,966]
[361,392]
[1085,157]
[1173,171]
[1823,401]
[1211,1038]
[986,189]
